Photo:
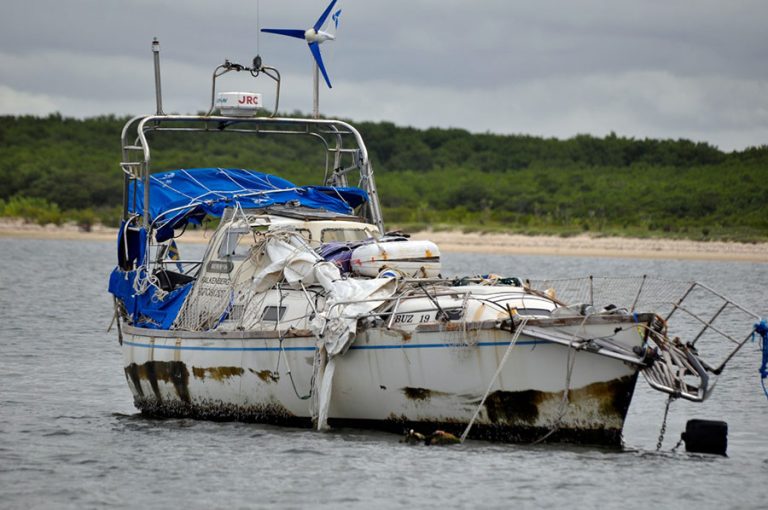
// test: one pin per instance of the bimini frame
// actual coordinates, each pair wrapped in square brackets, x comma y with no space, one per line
[345,151]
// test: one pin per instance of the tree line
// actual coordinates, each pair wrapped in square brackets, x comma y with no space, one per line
[69,168]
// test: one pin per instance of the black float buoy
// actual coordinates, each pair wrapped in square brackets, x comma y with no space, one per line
[706,436]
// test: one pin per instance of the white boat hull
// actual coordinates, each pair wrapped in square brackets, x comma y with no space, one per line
[434,377]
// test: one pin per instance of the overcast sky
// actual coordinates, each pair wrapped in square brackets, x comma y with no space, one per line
[695,69]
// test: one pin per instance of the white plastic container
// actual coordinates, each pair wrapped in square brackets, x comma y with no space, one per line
[419,259]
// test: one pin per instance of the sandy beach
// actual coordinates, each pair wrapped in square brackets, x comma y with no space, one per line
[587,246]
[456,241]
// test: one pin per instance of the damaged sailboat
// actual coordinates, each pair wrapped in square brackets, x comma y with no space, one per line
[305,311]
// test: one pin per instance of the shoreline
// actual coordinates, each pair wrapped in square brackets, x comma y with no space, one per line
[587,246]
[456,241]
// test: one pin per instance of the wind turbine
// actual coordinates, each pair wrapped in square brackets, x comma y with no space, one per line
[314,37]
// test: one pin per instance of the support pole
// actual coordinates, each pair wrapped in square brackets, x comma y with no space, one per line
[159,100]
[158,90]
[316,92]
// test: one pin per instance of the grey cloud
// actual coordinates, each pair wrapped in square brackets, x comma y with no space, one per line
[674,68]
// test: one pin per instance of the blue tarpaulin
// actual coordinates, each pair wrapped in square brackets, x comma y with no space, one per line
[178,197]
[131,245]
[147,310]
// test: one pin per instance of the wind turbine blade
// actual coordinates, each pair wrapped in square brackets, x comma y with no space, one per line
[298,34]
[315,49]
[324,16]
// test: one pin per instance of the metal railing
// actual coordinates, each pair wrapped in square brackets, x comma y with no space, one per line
[691,317]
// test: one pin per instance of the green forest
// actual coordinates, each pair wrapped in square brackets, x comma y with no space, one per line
[55,169]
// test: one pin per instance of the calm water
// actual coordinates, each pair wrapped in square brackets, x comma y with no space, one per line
[70,437]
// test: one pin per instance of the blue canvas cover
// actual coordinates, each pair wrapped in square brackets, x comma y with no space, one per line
[131,245]
[182,196]
[146,310]
[179,197]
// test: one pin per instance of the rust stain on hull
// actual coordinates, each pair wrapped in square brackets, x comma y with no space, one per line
[511,416]
[514,406]
[422,394]
[267,376]
[595,415]
[610,399]
[417,393]
[173,372]
[217,373]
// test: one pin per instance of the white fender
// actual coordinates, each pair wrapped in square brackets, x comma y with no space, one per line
[412,258]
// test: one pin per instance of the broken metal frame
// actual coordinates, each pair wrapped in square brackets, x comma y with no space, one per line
[676,360]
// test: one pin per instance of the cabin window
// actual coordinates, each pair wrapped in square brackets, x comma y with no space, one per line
[273,313]
[343,234]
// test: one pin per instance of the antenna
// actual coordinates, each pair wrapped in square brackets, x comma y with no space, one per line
[158,89]
[314,38]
